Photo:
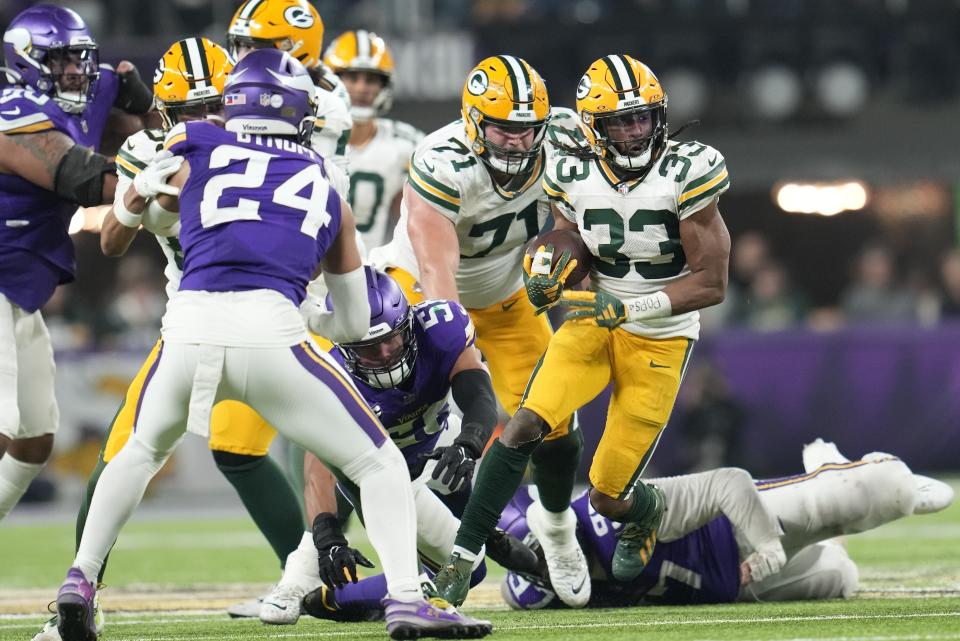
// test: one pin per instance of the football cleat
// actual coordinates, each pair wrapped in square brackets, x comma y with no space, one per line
[636,542]
[566,563]
[301,576]
[249,609]
[322,604]
[76,617]
[431,618]
[510,552]
[819,453]
[932,495]
[49,631]
[453,580]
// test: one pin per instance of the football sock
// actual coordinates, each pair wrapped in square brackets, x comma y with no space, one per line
[391,518]
[294,456]
[85,507]
[119,491]
[498,478]
[554,470]
[270,500]
[15,478]
[644,500]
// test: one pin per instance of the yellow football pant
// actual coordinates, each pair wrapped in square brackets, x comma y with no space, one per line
[234,427]
[512,339]
[580,362]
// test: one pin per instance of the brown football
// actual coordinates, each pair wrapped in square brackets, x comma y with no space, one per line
[565,240]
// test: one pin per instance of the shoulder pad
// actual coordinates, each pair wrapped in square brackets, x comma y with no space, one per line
[438,171]
[406,131]
[447,324]
[699,170]
[138,150]
[23,111]
[176,137]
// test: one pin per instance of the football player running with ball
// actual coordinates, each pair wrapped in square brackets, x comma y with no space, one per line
[379,148]
[473,200]
[258,218]
[646,208]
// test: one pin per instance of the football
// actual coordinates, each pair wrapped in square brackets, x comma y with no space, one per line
[565,240]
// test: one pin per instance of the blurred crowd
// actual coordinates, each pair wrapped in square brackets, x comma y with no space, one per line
[117,304]
[881,289]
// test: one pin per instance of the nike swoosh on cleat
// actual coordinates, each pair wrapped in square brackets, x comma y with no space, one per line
[507,306]
[658,366]
[13,112]
[577,589]
[279,607]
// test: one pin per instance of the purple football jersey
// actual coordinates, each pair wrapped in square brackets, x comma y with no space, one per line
[701,567]
[36,253]
[415,413]
[256,212]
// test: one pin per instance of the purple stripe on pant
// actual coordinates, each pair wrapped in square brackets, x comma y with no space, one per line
[342,388]
[146,381]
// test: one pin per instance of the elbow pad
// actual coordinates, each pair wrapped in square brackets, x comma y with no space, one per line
[79,176]
[133,96]
[351,305]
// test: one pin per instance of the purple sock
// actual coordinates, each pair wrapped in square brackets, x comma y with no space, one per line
[362,595]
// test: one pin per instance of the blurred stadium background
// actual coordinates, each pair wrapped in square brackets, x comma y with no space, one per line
[838,122]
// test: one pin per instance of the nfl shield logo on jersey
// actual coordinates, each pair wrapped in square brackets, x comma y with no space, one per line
[623,188]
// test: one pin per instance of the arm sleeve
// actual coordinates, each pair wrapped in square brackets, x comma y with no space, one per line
[556,194]
[351,321]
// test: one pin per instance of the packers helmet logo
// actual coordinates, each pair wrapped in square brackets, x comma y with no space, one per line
[298,17]
[584,87]
[478,82]
[158,73]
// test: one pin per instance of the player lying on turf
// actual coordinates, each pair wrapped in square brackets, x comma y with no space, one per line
[234,330]
[721,540]
[726,537]
[407,365]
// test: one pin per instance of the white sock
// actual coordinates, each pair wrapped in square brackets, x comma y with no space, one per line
[306,544]
[119,491]
[15,478]
[391,519]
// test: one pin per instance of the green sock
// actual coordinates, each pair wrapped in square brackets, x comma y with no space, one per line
[268,497]
[294,456]
[498,478]
[554,467]
[644,500]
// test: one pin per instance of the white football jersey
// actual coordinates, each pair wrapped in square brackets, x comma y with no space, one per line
[493,225]
[632,228]
[378,170]
[331,131]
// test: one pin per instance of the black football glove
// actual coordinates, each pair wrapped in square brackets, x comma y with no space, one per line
[456,462]
[338,561]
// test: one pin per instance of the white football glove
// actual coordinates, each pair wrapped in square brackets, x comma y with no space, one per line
[152,181]
[767,560]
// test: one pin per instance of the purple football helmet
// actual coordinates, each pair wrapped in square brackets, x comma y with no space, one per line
[269,92]
[50,49]
[386,355]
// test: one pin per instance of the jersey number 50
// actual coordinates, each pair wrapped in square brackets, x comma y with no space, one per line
[253,176]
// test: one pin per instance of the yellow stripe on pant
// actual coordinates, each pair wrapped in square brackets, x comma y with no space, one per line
[234,427]
[512,338]
[581,361]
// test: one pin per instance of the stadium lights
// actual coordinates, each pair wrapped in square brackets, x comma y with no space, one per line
[775,92]
[824,199]
[688,90]
[842,88]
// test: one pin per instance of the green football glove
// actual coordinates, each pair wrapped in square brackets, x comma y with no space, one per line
[606,310]
[544,290]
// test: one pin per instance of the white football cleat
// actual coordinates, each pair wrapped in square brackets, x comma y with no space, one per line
[569,574]
[249,609]
[932,495]
[819,453]
[300,577]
